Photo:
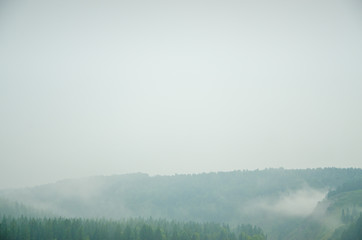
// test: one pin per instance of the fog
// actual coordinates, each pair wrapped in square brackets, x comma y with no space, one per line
[163,87]
[299,203]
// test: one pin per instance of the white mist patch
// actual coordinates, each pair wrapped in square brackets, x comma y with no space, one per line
[298,203]
[83,189]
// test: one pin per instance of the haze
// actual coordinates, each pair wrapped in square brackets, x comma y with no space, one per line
[164,87]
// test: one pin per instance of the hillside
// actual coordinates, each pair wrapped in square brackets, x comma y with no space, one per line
[332,216]
[133,229]
[15,209]
[274,199]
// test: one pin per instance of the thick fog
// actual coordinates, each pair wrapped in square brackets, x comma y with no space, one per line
[164,87]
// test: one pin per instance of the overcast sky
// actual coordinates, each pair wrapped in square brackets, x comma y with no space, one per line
[164,87]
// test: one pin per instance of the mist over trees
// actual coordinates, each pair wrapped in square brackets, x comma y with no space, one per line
[24,228]
[221,197]
[286,204]
[163,87]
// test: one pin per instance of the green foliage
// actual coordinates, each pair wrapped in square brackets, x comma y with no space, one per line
[344,208]
[15,209]
[355,184]
[177,197]
[345,205]
[24,228]
[354,232]
[210,197]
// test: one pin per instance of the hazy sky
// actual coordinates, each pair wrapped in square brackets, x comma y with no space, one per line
[164,87]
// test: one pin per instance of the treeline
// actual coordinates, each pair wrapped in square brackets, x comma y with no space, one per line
[209,197]
[354,232]
[223,195]
[16,209]
[354,185]
[24,228]
[348,216]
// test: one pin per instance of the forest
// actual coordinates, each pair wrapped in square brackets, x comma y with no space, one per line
[284,205]
[24,228]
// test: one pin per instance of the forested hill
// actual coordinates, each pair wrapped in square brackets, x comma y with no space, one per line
[15,209]
[267,198]
[133,229]
[219,196]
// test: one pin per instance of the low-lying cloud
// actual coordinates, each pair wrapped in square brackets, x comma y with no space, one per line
[296,203]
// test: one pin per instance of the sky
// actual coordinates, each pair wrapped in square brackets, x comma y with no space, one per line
[171,87]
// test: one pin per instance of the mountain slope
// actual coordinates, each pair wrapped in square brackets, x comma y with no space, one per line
[332,216]
[15,209]
[268,198]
